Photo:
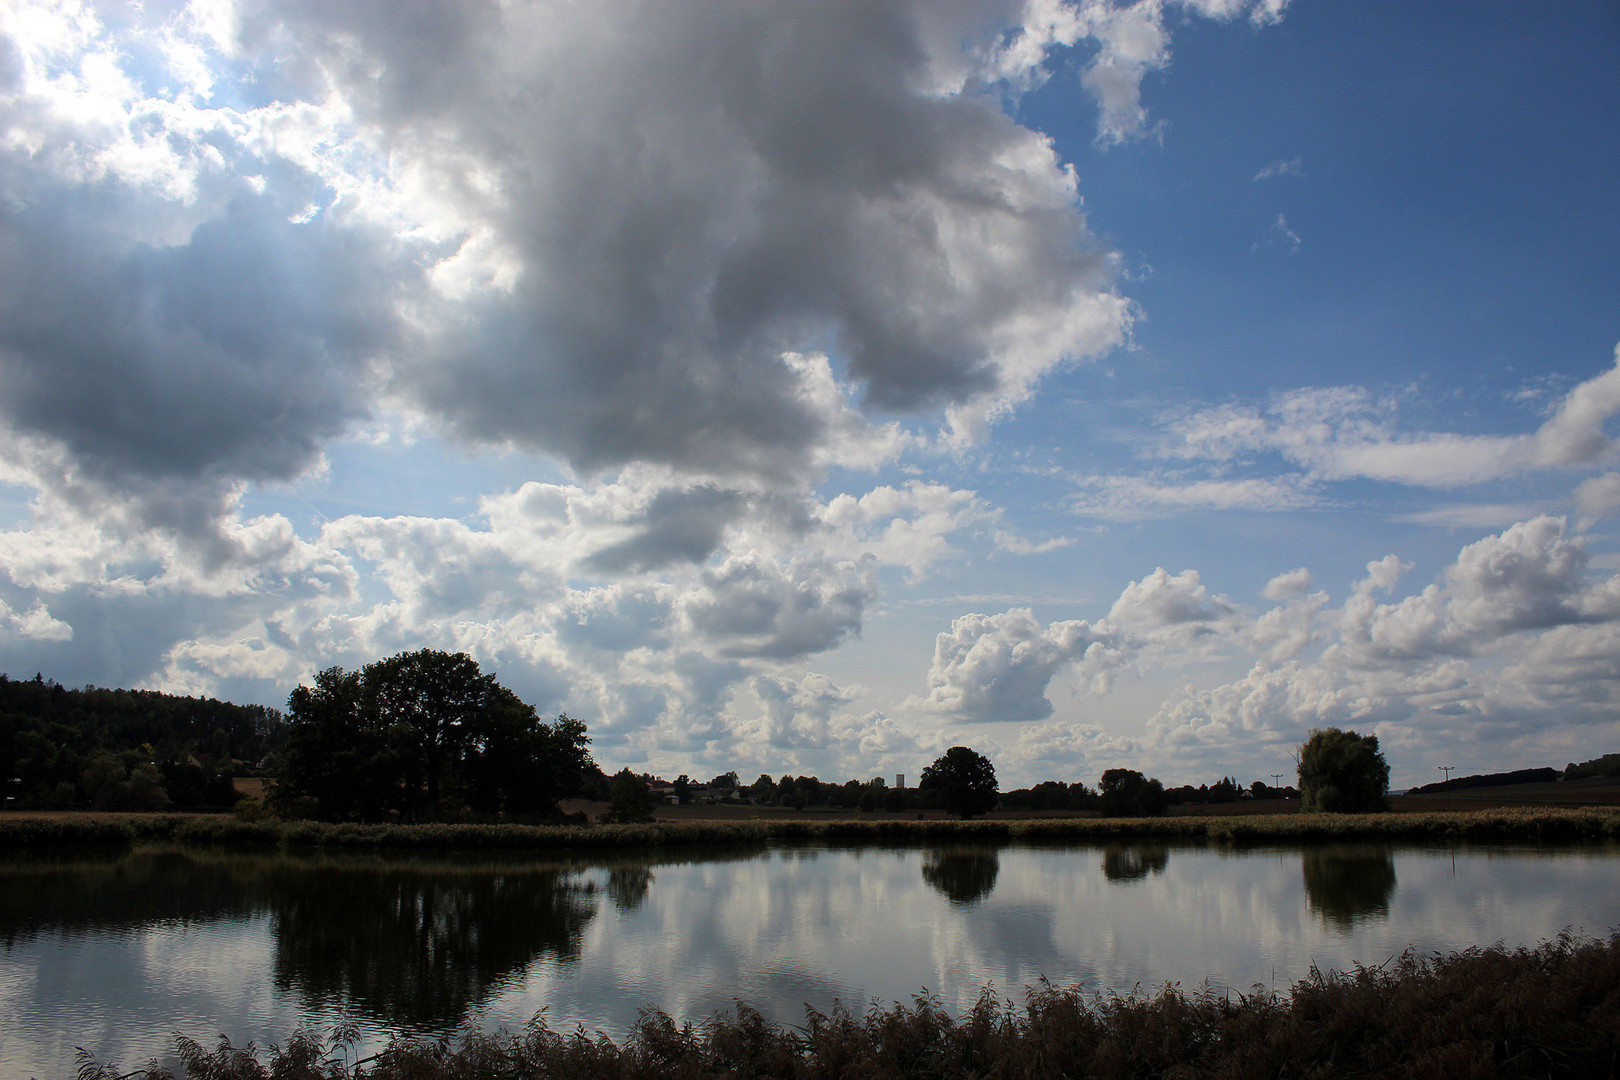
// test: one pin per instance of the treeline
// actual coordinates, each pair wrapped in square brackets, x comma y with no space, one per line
[1226,790]
[1517,776]
[1120,793]
[126,749]
[800,792]
[1126,793]
[1607,765]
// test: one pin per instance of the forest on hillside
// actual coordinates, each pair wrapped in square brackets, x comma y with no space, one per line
[126,749]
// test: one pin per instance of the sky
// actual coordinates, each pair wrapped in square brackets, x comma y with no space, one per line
[810,388]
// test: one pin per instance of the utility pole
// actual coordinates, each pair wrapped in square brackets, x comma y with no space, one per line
[1447,769]
[1276,782]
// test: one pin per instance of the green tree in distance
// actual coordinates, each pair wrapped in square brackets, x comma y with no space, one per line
[763,790]
[1341,772]
[963,780]
[629,798]
[1127,793]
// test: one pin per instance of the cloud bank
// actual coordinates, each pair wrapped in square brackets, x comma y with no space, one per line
[614,235]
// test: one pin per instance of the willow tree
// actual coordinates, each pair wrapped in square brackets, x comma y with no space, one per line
[1341,772]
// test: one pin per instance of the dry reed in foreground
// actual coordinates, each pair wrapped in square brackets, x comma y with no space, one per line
[1550,1011]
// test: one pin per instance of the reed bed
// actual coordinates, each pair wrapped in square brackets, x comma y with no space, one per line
[1548,1011]
[1537,824]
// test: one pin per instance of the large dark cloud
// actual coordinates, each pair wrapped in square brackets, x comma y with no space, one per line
[588,230]
[233,355]
[685,191]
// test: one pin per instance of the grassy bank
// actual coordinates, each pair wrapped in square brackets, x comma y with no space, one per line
[1539,824]
[1551,1011]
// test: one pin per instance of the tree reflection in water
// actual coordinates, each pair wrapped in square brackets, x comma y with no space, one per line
[420,945]
[1132,862]
[83,892]
[1344,883]
[966,874]
[627,886]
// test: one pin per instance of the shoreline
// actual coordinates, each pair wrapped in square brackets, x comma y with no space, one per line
[20,831]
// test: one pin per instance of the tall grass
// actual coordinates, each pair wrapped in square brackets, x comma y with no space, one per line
[1549,1011]
[1522,824]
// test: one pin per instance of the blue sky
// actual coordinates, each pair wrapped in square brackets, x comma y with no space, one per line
[810,388]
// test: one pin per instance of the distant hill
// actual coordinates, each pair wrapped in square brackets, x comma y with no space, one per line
[125,749]
[1518,776]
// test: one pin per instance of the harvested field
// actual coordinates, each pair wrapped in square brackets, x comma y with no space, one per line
[1589,791]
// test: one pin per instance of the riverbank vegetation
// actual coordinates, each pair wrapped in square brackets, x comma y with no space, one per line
[1549,824]
[1548,1011]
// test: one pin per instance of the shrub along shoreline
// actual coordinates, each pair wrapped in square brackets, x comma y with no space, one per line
[1548,1011]
[1538,824]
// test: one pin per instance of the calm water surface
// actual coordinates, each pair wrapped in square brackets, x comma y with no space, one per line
[116,953]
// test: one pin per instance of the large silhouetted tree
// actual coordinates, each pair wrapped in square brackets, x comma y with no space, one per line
[963,780]
[338,756]
[1342,772]
[424,731]
[435,697]
[1127,793]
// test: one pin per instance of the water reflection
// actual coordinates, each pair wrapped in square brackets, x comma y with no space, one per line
[80,894]
[627,886]
[964,873]
[421,945]
[114,952]
[1345,883]
[1132,862]
[418,942]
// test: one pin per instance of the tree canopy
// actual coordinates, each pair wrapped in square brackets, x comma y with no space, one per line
[1127,793]
[421,734]
[963,780]
[1342,772]
[629,798]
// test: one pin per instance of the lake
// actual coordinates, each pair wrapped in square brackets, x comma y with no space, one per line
[117,952]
